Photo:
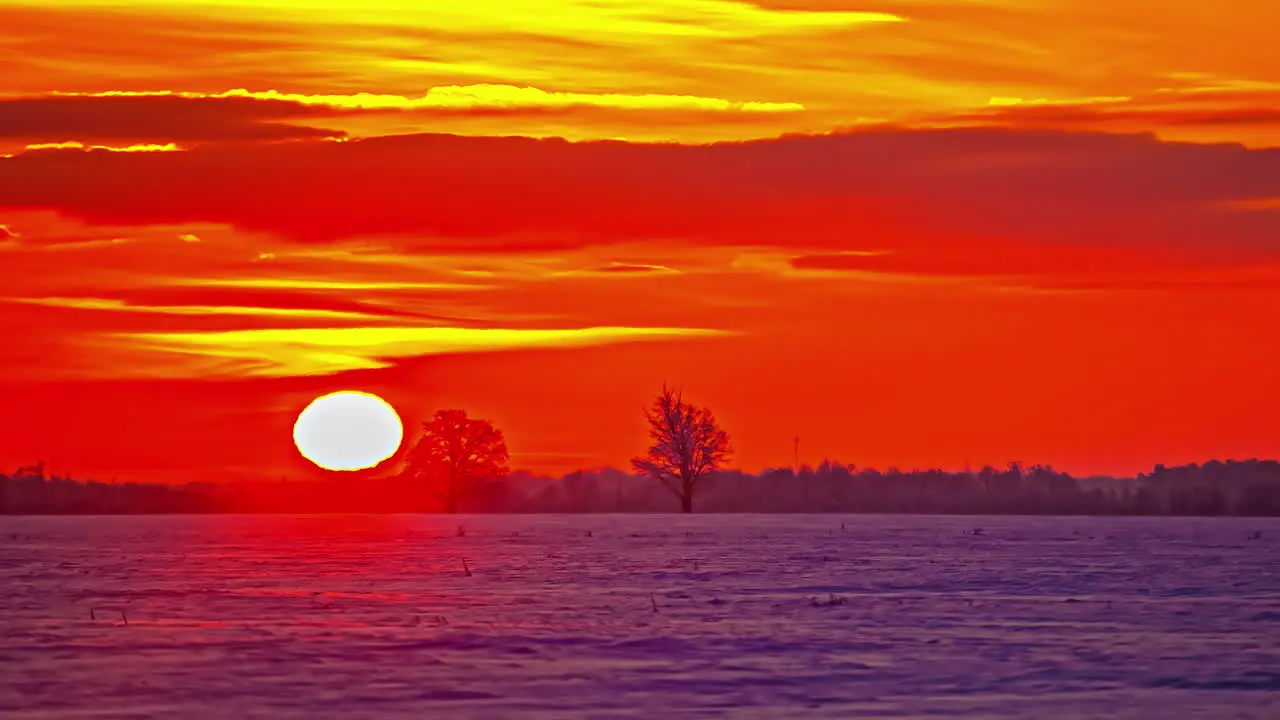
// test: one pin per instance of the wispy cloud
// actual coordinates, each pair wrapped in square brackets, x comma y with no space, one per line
[939,200]
[117,305]
[617,269]
[321,351]
[293,283]
[661,18]
[75,145]
[1191,108]
[151,121]
[1062,102]
[480,96]
[1265,203]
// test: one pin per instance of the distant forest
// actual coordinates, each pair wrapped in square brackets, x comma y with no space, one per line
[1248,487]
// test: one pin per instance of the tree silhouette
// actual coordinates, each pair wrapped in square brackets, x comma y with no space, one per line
[1232,488]
[458,453]
[687,445]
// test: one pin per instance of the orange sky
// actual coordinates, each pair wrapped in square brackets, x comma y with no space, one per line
[913,232]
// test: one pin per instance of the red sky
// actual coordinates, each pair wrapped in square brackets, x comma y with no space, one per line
[912,232]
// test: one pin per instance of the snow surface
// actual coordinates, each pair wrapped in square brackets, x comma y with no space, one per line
[756,617]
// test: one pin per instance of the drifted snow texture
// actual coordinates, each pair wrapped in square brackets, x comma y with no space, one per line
[756,617]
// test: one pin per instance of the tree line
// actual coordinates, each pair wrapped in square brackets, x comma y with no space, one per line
[460,464]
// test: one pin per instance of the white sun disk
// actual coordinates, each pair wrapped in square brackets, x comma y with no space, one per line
[348,430]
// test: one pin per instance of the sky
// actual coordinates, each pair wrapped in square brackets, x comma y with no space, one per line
[913,233]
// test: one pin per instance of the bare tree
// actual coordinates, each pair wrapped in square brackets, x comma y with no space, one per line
[687,445]
[457,453]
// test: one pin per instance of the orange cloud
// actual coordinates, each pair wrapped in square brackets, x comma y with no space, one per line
[113,304]
[1191,112]
[1264,203]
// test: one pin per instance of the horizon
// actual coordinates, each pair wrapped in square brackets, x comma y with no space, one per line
[389,471]
[1249,488]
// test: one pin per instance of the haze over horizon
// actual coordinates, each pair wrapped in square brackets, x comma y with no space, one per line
[914,233]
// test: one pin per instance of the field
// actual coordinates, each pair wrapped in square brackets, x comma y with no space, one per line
[639,616]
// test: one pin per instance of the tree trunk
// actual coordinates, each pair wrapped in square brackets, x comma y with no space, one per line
[686,493]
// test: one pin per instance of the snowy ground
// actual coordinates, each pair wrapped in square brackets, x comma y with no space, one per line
[639,616]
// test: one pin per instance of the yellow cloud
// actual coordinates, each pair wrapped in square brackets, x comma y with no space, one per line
[480,96]
[679,18]
[754,64]
[324,351]
[1039,102]
[316,284]
[73,145]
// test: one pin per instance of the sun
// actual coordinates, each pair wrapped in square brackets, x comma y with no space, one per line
[348,430]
